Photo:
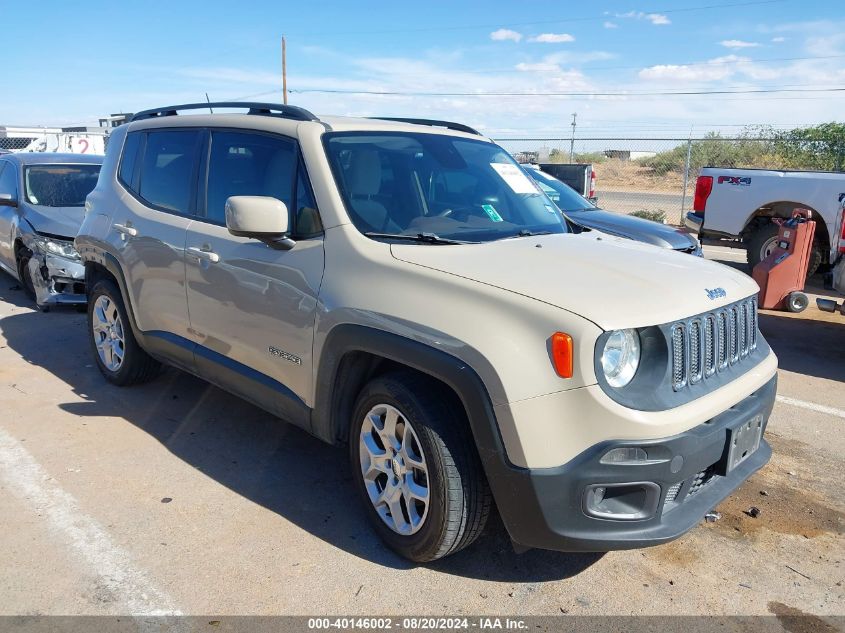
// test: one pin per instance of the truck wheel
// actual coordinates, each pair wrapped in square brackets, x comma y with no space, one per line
[761,242]
[415,465]
[797,302]
[119,357]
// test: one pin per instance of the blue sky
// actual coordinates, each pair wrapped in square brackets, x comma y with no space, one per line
[71,62]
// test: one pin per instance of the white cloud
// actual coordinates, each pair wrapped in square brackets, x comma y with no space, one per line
[778,40]
[715,69]
[505,34]
[539,67]
[552,38]
[657,19]
[739,44]
[611,25]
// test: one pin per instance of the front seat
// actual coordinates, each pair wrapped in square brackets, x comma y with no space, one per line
[363,180]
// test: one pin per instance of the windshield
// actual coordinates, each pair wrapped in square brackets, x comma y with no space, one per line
[60,185]
[459,189]
[564,196]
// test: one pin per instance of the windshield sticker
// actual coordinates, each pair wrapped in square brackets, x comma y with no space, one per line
[550,208]
[515,179]
[492,213]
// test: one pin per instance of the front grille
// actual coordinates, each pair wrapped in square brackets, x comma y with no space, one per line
[701,479]
[679,357]
[675,494]
[710,343]
[672,493]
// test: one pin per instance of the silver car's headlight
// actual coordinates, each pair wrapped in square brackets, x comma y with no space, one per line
[621,357]
[61,248]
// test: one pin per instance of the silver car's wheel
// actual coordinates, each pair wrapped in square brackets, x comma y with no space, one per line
[107,328]
[394,469]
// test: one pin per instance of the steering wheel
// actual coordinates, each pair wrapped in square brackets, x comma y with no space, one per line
[461,214]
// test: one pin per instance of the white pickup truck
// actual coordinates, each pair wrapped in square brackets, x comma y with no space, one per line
[741,203]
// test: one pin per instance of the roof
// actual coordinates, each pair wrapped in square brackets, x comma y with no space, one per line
[350,124]
[53,158]
[266,116]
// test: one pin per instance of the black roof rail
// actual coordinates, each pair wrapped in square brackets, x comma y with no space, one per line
[449,125]
[264,109]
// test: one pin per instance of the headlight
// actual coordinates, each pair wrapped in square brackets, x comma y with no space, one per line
[621,357]
[61,248]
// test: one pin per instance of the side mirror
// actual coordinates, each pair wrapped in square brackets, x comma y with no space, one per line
[7,200]
[259,217]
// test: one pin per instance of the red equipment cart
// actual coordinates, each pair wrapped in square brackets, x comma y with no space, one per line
[782,275]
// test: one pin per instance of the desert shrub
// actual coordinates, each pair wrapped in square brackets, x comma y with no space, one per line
[654,216]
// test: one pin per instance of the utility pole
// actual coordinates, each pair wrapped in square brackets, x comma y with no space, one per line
[572,141]
[284,72]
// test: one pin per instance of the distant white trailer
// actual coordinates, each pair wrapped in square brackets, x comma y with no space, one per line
[627,154]
[71,142]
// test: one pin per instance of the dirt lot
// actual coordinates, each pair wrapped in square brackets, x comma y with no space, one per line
[175,497]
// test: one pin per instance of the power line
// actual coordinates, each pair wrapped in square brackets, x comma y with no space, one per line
[715,62]
[677,93]
[469,27]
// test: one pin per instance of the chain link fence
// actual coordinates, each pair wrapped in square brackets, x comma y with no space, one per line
[655,177]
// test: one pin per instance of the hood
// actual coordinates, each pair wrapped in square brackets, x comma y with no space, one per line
[615,283]
[58,221]
[635,228]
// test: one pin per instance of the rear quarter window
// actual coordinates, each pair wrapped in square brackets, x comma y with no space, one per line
[127,173]
[168,169]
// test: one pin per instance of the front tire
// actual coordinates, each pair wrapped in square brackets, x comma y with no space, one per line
[119,357]
[415,465]
[24,255]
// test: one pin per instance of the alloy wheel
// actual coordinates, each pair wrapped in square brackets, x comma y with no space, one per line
[394,469]
[107,329]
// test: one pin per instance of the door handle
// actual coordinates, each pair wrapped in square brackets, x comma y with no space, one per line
[203,255]
[125,229]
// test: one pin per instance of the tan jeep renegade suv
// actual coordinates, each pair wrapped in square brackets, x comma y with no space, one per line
[401,287]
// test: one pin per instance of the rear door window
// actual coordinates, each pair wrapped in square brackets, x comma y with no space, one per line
[168,169]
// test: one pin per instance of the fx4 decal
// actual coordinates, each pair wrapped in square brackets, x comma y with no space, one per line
[742,181]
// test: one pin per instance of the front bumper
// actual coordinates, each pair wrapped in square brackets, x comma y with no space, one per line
[693,221]
[57,281]
[548,508]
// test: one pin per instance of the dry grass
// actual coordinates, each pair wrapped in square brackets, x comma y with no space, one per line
[626,175]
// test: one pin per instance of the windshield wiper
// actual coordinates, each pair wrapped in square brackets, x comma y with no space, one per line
[526,233]
[424,238]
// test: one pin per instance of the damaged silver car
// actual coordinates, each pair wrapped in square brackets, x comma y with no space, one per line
[42,204]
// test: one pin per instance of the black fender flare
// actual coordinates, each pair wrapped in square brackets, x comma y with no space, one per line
[450,370]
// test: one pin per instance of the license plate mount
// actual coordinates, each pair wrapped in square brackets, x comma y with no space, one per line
[744,440]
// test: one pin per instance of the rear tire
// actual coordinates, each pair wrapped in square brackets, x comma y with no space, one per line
[425,459]
[119,357]
[760,242]
[764,238]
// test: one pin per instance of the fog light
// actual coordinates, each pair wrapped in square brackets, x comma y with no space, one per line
[622,502]
[626,455]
